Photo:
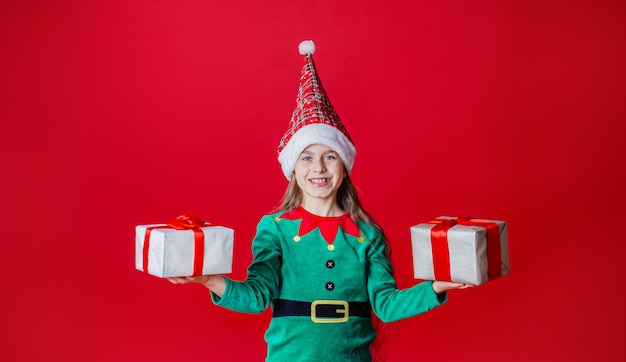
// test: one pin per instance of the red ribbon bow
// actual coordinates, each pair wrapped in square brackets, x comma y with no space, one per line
[441,252]
[183,222]
[187,221]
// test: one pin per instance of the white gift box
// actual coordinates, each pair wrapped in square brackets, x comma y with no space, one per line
[171,252]
[468,252]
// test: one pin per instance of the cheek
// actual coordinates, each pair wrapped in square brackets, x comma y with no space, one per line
[341,171]
[298,170]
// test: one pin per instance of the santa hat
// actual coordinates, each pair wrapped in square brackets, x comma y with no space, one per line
[314,121]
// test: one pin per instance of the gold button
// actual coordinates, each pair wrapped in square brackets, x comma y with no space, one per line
[296,238]
[331,247]
[361,239]
[277,219]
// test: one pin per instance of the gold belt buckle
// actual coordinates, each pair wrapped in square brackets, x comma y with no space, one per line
[339,303]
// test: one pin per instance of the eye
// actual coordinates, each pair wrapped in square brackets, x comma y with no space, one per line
[306,158]
[330,157]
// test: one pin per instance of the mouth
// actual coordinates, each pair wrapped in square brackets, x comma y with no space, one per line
[320,182]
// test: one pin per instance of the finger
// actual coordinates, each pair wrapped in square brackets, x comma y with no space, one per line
[176,280]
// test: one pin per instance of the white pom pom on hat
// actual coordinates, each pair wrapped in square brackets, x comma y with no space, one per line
[306,47]
[314,120]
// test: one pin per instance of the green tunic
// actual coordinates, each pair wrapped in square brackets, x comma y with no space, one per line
[296,263]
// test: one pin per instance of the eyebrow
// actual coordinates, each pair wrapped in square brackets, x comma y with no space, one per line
[325,153]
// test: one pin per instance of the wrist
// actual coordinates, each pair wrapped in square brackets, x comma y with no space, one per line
[437,287]
[216,284]
[210,281]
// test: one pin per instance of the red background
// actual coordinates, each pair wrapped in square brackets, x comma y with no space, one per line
[117,113]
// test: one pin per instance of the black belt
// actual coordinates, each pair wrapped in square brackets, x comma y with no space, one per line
[322,311]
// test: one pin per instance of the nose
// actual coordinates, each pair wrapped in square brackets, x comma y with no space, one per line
[319,165]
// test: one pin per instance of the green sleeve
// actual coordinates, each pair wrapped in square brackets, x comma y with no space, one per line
[390,303]
[255,293]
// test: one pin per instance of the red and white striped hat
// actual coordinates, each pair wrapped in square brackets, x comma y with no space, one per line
[314,121]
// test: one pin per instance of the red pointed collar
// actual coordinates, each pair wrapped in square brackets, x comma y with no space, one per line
[329,225]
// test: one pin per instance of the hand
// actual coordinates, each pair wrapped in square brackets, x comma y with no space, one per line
[440,287]
[215,283]
[200,279]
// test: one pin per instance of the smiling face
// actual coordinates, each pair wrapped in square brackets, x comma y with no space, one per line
[319,172]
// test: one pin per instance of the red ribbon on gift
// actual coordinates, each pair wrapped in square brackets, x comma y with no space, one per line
[184,222]
[441,252]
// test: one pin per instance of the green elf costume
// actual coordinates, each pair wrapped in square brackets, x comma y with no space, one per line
[322,276]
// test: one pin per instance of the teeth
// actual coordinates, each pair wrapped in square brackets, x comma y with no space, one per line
[319,180]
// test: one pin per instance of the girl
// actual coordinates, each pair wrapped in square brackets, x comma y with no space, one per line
[321,261]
